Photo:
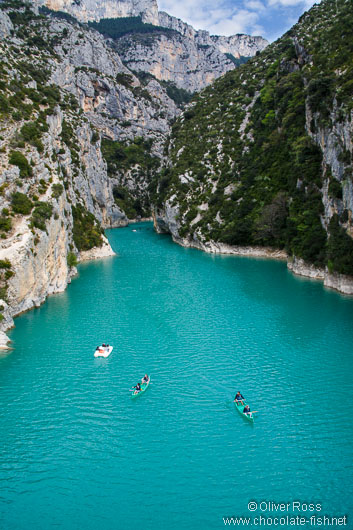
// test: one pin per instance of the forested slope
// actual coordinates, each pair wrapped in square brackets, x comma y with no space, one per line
[264,155]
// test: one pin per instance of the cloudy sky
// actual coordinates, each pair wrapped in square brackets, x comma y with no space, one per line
[269,18]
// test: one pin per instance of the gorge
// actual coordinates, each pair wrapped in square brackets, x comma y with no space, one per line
[98,128]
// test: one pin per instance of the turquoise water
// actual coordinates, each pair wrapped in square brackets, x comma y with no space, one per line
[78,453]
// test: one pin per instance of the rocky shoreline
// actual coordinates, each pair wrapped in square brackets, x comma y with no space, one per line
[39,292]
[338,282]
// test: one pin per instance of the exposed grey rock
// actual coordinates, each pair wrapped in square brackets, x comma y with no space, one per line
[237,45]
[89,70]
[338,282]
[5,25]
[188,58]
[172,57]
[88,10]
[191,59]
[4,341]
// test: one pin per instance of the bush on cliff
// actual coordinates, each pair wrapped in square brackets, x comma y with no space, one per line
[71,260]
[5,224]
[21,203]
[19,160]
[41,214]
[86,230]
[339,249]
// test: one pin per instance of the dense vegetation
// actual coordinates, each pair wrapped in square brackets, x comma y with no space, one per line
[179,95]
[132,159]
[244,167]
[117,27]
[123,156]
[86,230]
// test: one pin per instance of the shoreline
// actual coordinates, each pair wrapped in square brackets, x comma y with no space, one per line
[28,303]
[103,252]
[334,281]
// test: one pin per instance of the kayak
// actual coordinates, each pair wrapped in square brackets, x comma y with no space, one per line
[103,351]
[144,387]
[240,409]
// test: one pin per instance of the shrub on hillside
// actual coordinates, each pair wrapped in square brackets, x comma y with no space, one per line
[21,203]
[86,230]
[18,159]
[41,213]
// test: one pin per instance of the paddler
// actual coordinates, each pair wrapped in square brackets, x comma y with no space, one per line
[239,398]
[145,379]
[247,410]
[138,387]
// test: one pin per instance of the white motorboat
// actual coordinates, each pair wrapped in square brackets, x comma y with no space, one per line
[103,351]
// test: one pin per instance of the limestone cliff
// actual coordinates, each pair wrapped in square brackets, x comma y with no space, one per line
[237,45]
[57,190]
[86,10]
[188,58]
[175,59]
[178,54]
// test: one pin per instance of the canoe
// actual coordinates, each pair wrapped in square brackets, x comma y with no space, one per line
[103,351]
[240,409]
[144,387]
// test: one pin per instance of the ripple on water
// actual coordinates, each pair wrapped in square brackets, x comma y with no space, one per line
[79,453]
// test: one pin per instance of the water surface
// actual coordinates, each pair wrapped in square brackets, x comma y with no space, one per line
[78,453]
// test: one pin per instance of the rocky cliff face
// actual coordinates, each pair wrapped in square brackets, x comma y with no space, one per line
[236,45]
[56,188]
[174,58]
[88,10]
[188,58]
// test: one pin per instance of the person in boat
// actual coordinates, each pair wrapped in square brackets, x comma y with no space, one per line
[138,387]
[239,398]
[246,410]
[145,379]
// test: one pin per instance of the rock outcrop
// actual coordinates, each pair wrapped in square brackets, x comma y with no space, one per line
[188,58]
[6,26]
[173,58]
[338,282]
[239,45]
[181,55]
[89,10]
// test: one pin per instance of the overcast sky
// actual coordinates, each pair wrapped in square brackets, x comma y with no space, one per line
[269,18]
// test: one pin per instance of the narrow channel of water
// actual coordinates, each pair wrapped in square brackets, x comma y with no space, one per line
[78,453]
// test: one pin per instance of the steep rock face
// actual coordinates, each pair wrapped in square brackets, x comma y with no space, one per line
[174,58]
[89,10]
[109,94]
[237,45]
[335,143]
[5,25]
[188,58]
[55,191]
